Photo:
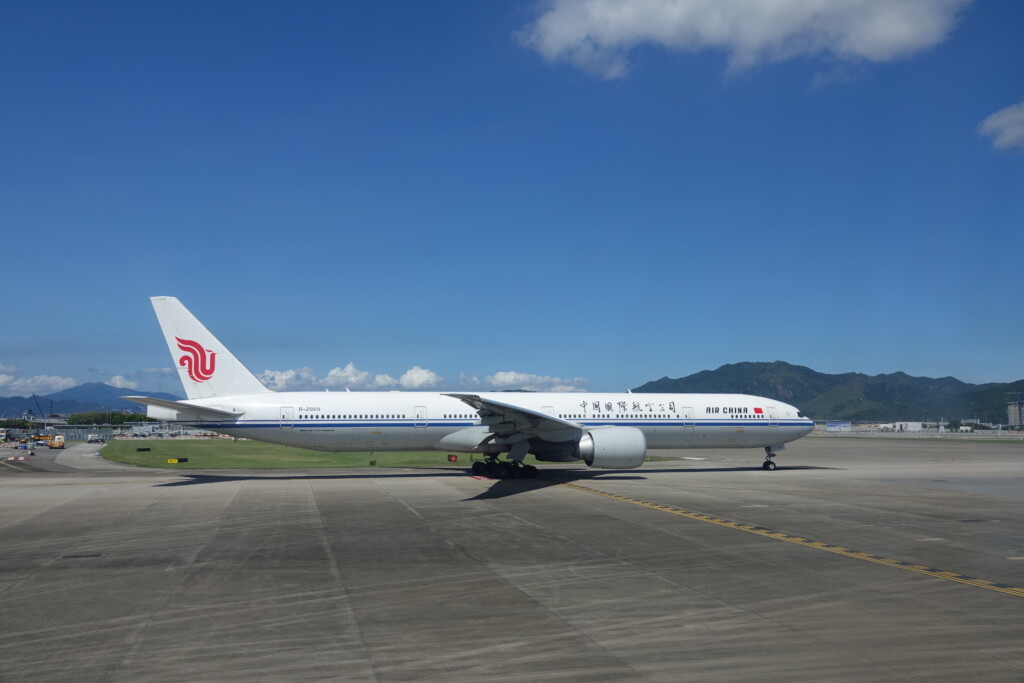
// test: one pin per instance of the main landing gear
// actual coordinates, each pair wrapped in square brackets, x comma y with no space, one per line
[769,453]
[503,469]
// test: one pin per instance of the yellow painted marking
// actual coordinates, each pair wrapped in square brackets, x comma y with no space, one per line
[817,545]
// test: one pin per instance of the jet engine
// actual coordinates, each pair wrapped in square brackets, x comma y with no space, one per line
[613,448]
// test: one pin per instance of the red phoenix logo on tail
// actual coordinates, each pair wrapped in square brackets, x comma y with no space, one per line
[199,362]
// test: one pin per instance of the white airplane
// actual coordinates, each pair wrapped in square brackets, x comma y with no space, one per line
[610,431]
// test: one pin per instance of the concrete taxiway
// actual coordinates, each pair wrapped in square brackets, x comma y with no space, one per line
[857,559]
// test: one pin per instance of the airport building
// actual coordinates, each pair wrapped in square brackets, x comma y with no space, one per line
[1013,414]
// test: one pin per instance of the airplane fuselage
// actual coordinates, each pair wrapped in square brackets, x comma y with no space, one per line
[397,421]
[606,431]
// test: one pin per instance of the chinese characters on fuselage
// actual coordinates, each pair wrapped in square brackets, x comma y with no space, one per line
[624,406]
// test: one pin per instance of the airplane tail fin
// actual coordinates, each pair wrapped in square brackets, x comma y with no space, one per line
[205,366]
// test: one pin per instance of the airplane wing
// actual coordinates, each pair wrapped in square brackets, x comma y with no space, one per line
[183,412]
[505,419]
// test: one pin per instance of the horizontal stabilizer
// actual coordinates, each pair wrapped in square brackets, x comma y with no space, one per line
[179,411]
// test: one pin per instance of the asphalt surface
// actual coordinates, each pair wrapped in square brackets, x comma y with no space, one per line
[856,560]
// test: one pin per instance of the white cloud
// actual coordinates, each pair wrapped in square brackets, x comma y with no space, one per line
[384,381]
[415,378]
[468,381]
[597,35]
[1005,127]
[419,378]
[119,382]
[510,379]
[347,377]
[302,379]
[40,384]
[7,368]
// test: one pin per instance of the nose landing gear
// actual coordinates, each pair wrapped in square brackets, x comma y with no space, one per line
[769,453]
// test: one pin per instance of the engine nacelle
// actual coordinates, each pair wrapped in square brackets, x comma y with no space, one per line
[613,448]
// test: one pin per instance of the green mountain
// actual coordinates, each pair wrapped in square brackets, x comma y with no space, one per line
[850,396]
[989,399]
[84,398]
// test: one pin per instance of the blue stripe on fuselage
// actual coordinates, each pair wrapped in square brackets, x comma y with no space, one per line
[277,424]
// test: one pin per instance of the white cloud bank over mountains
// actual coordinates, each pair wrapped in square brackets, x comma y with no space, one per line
[500,381]
[11,385]
[348,377]
[415,378]
[306,379]
[597,36]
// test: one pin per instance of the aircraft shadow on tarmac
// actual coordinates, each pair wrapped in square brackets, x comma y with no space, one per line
[551,477]
[498,489]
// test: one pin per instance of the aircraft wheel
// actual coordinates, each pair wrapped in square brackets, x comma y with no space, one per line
[479,468]
[529,472]
[768,465]
[503,470]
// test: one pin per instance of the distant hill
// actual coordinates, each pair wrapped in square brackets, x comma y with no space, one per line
[85,398]
[850,396]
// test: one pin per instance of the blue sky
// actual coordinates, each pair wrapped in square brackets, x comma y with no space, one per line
[567,195]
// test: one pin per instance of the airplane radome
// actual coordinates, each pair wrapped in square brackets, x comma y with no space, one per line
[610,431]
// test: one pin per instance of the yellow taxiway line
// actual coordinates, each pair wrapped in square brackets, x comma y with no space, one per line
[816,545]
